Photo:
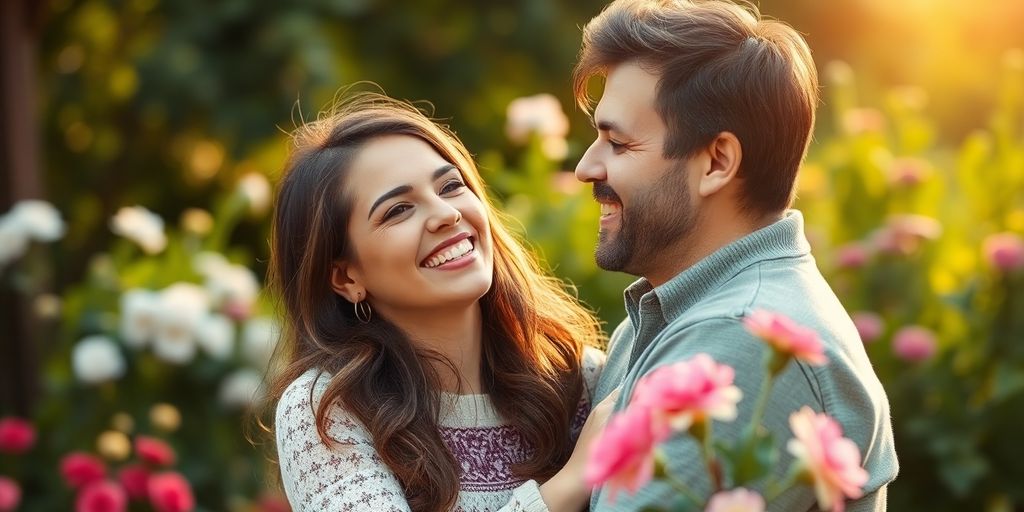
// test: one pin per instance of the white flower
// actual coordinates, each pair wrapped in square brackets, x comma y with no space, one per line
[140,310]
[233,287]
[39,220]
[13,240]
[207,263]
[182,306]
[216,335]
[242,388]
[259,338]
[541,114]
[97,359]
[256,190]
[140,226]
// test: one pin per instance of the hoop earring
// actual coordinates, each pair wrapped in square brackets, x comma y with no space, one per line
[363,311]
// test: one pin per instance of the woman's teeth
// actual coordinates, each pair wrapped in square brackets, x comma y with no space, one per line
[458,250]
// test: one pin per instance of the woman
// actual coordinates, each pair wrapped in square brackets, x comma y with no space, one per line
[428,363]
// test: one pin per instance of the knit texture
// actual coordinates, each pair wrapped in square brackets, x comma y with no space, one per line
[350,476]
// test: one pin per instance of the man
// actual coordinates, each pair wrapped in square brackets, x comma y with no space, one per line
[704,119]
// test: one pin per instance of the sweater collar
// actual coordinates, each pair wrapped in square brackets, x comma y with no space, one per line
[781,239]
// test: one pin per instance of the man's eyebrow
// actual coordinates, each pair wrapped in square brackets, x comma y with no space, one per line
[405,189]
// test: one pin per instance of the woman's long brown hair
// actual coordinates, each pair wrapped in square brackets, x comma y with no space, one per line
[533,329]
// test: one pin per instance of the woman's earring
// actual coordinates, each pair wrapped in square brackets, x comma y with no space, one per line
[363,310]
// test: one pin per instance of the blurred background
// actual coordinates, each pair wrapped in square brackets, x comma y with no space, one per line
[134,333]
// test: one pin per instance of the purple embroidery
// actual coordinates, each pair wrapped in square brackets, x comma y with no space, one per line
[486,456]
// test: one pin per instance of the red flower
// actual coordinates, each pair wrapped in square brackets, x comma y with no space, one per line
[101,496]
[16,435]
[170,492]
[80,469]
[274,503]
[154,451]
[10,494]
[135,479]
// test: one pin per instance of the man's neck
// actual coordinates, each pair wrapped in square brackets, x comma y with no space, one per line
[714,231]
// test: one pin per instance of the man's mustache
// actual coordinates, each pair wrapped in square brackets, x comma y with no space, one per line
[604,192]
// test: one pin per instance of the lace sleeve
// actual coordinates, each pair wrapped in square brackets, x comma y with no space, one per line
[346,476]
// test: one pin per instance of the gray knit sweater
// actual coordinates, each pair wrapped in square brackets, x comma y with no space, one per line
[700,310]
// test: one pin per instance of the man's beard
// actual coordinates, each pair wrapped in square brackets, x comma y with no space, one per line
[658,218]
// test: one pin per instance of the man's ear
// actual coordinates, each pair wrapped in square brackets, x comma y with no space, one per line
[345,282]
[725,155]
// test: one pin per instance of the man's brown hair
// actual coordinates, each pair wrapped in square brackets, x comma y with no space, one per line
[721,68]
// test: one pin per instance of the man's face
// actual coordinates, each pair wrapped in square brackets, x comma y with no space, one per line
[646,206]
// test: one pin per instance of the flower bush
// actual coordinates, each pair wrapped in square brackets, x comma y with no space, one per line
[688,396]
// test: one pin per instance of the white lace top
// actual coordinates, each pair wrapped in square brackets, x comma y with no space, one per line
[349,476]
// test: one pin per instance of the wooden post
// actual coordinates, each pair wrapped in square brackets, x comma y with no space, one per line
[20,178]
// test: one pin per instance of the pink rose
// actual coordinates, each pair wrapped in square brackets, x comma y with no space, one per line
[10,494]
[869,325]
[101,496]
[623,455]
[16,435]
[914,343]
[80,469]
[688,392]
[170,492]
[786,336]
[1005,252]
[736,500]
[135,479]
[852,255]
[831,460]
[154,451]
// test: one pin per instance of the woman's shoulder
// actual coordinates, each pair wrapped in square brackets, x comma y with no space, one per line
[296,410]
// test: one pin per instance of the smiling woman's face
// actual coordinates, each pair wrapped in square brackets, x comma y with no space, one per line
[419,236]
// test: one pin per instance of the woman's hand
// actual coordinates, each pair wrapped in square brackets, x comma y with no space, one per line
[567,491]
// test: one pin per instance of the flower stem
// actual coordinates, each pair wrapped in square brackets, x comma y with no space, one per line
[683,489]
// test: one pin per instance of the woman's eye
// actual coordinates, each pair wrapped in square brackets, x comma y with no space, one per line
[617,147]
[452,186]
[395,210]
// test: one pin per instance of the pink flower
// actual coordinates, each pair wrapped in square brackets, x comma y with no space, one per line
[101,496]
[688,392]
[857,121]
[154,451]
[170,492]
[903,234]
[10,494]
[1005,252]
[908,172]
[869,325]
[914,343]
[135,479]
[16,435]
[80,469]
[736,500]
[623,456]
[852,255]
[830,460]
[786,336]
